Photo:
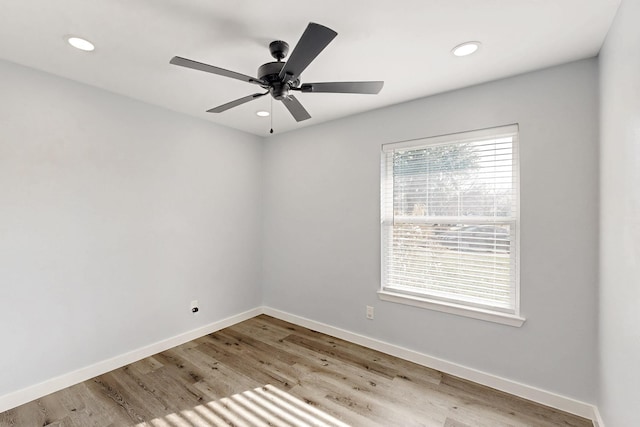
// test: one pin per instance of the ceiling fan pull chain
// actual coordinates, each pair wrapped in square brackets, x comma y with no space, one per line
[271,115]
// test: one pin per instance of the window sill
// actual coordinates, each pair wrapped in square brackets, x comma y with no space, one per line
[475,313]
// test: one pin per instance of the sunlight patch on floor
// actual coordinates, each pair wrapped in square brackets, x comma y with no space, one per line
[262,406]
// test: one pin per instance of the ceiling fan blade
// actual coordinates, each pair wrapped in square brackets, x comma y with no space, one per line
[184,62]
[295,108]
[314,39]
[240,101]
[343,87]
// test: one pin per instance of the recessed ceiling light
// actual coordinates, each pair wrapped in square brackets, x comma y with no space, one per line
[466,48]
[262,113]
[81,44]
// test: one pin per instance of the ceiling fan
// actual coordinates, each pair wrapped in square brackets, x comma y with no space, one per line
[281,78]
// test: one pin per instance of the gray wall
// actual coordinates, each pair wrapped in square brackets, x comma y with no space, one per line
[321,227]
[114,215]
[620,220]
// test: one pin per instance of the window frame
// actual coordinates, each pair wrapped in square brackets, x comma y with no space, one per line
[424,300]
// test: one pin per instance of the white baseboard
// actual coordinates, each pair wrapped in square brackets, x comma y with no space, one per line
[535,394]
[36,391]
[597,418]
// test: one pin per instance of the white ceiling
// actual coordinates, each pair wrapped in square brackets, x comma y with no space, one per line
[406,43]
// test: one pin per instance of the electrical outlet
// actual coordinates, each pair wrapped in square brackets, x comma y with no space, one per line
[369,312]
[194,306]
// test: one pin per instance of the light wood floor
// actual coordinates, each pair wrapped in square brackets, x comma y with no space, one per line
[356,385]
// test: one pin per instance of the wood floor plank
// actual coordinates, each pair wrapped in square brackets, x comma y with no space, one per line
[118,399]
[512,409]
[373,361]
[361,354]
[55,412]
[260,326]
[378,408]
[235,357]
[147,365]
[82,407]
[218,380]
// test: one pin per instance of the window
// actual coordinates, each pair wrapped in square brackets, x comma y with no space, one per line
[449,220]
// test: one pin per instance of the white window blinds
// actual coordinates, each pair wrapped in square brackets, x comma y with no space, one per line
[449,218]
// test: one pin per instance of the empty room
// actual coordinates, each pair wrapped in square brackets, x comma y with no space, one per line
[423,213]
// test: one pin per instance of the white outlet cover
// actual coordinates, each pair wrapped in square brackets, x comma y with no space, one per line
[369,312]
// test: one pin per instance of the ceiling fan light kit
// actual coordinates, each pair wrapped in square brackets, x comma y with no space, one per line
[280,78]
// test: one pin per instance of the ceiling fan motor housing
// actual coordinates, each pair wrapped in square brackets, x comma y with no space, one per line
[270,73]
